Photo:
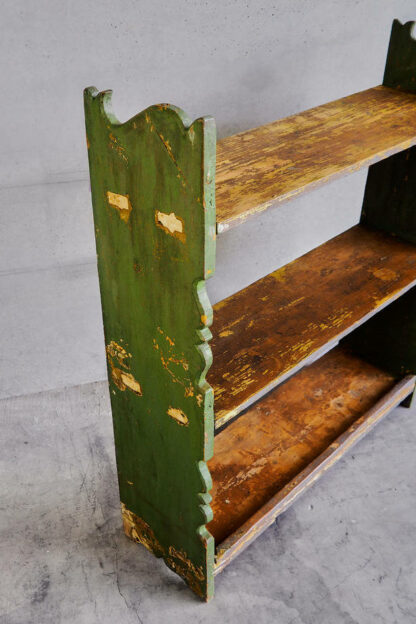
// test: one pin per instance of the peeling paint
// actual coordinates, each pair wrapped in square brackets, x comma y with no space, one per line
[170,357]
[139,531]
[178,415]
[194,575]
[115,350]
[121,203]
[171,224]
[115,145]
[123,380]
[126,381]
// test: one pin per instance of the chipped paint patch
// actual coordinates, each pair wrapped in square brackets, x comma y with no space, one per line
[194,575]
[139,531]
[174,362]
[126,381]
[117,356]
[171,224]
[115,145]
[178,415]
[118,352]
[121,203]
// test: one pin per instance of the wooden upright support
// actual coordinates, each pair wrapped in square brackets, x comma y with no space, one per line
[390,205]
[152,182]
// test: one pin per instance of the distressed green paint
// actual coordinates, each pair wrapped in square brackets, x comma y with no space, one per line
[156,316]
[389,204]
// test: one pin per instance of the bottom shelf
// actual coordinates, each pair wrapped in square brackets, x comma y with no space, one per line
[283,443]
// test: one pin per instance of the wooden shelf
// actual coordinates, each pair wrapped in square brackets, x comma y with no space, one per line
[268,456]
[267,331]
[155,209]
[285,158]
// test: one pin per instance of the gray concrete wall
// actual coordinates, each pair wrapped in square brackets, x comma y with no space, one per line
[245,63]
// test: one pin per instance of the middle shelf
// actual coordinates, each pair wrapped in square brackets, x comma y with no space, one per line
[264,333]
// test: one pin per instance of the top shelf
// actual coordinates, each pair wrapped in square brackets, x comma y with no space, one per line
[285,158]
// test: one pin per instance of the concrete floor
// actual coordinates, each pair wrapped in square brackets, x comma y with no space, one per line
[344,553]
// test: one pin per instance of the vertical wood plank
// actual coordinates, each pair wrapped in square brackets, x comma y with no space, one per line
[390,194]
[389,204]
[152,183]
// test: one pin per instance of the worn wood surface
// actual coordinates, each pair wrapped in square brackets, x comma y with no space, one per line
[272,442]
[287,157]
[152,181]
[266,515]
[266,331]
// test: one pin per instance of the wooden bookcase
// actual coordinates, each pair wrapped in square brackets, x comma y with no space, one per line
[211,445]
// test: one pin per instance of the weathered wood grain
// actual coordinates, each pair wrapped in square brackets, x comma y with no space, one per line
[266,515]
[283,159]
[263,450]
[268,330]
[152,182]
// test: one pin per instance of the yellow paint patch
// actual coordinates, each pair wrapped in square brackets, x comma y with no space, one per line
[125,381]
[226,332]
[386,275]
[118,352]
[280,274]
[171,224]
[178,415]
[116,356]
[121,203]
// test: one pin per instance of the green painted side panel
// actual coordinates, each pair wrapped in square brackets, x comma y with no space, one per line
[153,194]
[389,338]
